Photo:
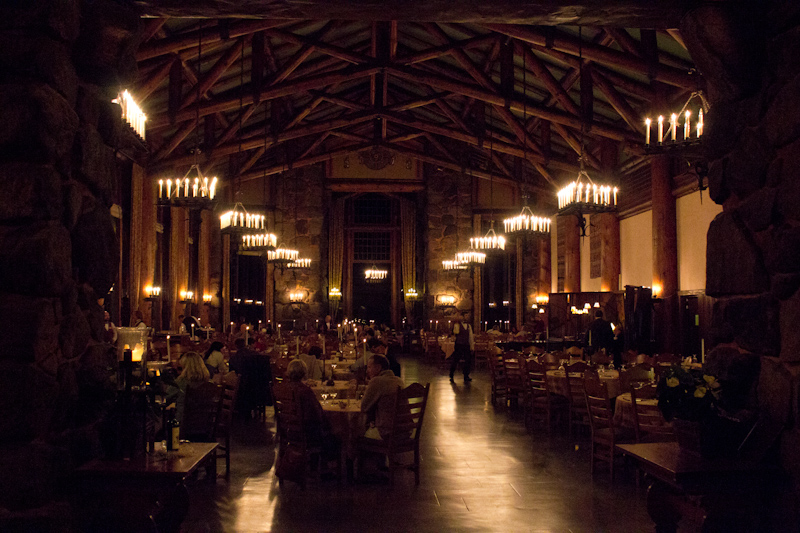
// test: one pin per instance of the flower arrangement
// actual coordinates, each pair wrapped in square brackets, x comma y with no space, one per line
[687,394]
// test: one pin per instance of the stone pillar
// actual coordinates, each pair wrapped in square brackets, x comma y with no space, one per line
[178,263]
[62,63]
[572,255]
[665,250]
[519,294]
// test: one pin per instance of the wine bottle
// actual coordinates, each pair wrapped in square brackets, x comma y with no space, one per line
[173,432]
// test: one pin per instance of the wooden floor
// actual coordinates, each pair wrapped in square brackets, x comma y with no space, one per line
[480,472]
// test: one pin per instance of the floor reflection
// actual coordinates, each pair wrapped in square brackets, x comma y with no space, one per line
[481,471]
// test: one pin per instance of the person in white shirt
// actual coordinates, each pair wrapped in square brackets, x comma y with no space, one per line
[138,320]
[464,347]
[110,329]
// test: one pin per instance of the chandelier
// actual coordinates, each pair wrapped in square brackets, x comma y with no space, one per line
[259,242]
[454,264]
[239,221]
[527,222]
[282,256]
[375,275]
[300,263]
[471,258]
[583,196]
[490,241]
[197,193]
[132,113]
[662,142]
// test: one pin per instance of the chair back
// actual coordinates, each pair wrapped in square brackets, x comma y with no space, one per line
[634,376]
[409,413]
[649,423]
[575,350]
[598,404]
[514,369]
[230,388]
[600,358]
[575,384]
[201,412]
[551,360]
[537,379]
[289,424]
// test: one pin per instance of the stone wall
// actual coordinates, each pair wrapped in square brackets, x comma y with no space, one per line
[449,228]
[300,222]
[751,61]
[61,64]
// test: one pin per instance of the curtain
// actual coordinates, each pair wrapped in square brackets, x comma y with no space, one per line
[408,218]
[336,246]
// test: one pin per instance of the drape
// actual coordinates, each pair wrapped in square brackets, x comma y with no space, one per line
[408,220]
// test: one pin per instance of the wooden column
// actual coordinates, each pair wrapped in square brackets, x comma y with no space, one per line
[225,296]
[136,245]
[665,247]
[178,263]
[203,259]
[519,294]
[477,282]
[572,255]
[148,244]
[608,224]
[545,284]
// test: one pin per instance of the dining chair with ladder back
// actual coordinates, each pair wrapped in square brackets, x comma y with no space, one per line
[201,409]
[514,369]
[551,360]
[482,347]
[578,414]
[230,387]
[295,450]
[649,423]
[498,377]
[405,432]
[634,376]
[540,403]
[605,435]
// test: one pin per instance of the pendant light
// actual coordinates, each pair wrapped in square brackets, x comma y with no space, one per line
[526,223]
[584,196]
[491,241]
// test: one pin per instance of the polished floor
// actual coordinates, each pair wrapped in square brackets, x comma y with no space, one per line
[481,471]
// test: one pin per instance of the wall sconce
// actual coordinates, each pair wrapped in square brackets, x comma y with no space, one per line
[187,296]
[542,299]
[237,300]
[335,294]
[492,305]
[506,303]
[446,300]
[207,298]
[152,293]
[411,294]
[582,311]
[296,297]
[657,290]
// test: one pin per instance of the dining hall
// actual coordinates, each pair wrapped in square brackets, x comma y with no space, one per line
[399,266]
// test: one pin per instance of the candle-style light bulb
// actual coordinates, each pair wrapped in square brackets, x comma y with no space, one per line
[687,129]
[647,124]
[673,121]
[700,124]
[660,129]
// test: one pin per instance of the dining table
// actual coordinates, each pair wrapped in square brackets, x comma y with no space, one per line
[447,345]
[557,381]
[347,423]
[340,388]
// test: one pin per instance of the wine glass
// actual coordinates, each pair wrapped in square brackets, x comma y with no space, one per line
[324,396]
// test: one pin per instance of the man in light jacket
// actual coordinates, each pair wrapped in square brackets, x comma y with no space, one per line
[464,347]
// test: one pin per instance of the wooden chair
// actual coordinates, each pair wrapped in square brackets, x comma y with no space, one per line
[482,353]
[632,358]
[498,377]
[540,404]
[650,425]
[634,376]
[405,431]
[551,360]
[291,434]
[600,358]
[230,388]
[578,414]
[202,405]
[514,370]
[575,351]
[605,436]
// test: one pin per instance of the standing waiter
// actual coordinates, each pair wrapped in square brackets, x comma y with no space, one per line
[464,347]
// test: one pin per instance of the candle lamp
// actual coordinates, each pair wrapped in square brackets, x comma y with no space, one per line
[670,141]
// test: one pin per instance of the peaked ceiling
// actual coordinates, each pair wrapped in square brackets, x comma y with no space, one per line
[504,101]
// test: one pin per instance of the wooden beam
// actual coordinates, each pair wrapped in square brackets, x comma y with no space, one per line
[443,50]
[328,49]
[319,140]
[544,75]
[622,13]
[619,103]
[190,39]
[552,115]
[152,27]
[216,72]
[278,90]
[599,54]
[151,84]
[288,134]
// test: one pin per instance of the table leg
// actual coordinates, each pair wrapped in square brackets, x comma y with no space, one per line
[663,507]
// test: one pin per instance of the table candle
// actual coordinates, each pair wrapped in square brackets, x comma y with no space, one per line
[323,346]
[297,342]
[246,335]
[169,354]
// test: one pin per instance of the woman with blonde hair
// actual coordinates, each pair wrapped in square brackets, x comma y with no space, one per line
[194,373]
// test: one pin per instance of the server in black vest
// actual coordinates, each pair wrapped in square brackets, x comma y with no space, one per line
[464,347]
